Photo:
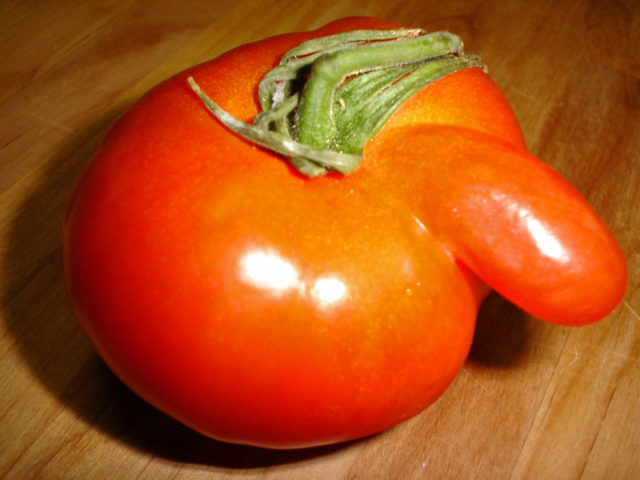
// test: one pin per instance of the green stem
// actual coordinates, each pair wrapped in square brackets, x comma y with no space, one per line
[317,125]
[321,159]
[329,96]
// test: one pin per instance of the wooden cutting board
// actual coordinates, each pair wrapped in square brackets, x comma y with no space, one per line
[534,401]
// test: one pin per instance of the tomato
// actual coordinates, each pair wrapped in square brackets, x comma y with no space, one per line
[261,307]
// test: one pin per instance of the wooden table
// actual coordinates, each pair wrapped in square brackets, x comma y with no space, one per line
[534,401]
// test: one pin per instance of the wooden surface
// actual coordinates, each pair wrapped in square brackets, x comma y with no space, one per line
[534,401]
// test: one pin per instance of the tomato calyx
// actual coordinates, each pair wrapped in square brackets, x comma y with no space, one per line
[329,96]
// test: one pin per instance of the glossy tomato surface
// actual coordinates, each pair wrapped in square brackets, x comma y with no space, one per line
[261,307]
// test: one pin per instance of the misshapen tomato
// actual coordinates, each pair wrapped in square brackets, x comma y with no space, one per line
[261,307]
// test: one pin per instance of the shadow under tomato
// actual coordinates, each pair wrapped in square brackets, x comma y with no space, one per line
[500,334]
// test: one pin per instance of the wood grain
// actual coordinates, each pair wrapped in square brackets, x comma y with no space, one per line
[534,401]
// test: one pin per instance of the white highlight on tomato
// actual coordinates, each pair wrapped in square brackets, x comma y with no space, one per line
[328,291]
[269,271]
[544,239]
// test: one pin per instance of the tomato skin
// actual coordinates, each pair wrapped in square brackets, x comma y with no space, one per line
[260,307]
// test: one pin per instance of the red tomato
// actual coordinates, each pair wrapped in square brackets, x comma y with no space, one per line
[261,307]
